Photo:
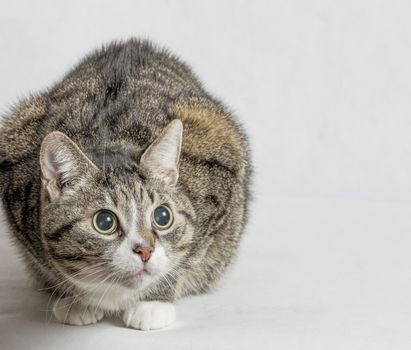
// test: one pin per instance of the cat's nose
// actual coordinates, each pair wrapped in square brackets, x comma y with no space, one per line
[143,252]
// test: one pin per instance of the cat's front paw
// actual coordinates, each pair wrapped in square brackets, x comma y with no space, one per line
[149,315]
[75,314]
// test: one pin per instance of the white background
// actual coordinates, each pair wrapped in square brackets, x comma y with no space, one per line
[323,89]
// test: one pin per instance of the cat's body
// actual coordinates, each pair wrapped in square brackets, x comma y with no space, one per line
[119,107]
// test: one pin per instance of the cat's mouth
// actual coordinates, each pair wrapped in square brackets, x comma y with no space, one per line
[143,272]
[137,279]
[140,274]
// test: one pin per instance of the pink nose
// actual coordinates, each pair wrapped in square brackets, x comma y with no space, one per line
[143,252]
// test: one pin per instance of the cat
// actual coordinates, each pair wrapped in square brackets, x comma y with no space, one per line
[126,186]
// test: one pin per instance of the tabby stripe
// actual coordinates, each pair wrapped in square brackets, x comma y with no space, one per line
[141,176]
[9,164]
[151,195]
[209,163]
[10,202]
[219,216]
[56,235]
[26,210]
[67,257]
[187,215]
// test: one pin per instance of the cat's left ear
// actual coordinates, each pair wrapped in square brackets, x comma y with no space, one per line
[63,164]
[162,156]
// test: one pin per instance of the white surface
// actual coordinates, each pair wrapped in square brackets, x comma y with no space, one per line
[322,275]
[323,88]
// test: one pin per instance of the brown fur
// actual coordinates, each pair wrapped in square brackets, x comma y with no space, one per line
[113,105]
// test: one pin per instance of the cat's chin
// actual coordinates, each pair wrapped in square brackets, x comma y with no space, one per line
[126,283]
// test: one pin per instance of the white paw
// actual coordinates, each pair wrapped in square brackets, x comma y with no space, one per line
[150,315]
[76,314]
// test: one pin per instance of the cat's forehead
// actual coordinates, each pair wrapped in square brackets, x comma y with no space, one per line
[122,189]
[111,156]
[131,193]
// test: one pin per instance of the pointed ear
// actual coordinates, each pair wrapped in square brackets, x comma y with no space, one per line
[62,164]
[162,156]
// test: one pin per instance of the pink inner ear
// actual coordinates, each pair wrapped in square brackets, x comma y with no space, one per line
[171,176]
[170,173]
[162,156]
[52,188]
[63,161]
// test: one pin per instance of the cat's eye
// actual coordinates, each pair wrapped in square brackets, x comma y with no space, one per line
[105,222]
[162,217]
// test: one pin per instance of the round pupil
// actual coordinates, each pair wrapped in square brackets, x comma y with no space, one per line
[162,216]
[105,221]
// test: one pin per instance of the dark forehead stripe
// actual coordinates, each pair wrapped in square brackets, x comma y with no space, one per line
[108,183]
[114,197]
[151,195]
[58,234]
[141,176]
[125,194]
[146,192]
[113,159]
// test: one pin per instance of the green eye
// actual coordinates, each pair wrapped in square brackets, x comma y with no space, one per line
[105,222]
[162,217]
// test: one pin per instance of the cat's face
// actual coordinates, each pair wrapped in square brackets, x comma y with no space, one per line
[127,226]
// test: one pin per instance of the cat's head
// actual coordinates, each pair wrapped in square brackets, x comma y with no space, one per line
[119,220]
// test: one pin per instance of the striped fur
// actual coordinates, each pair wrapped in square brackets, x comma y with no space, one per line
[113,105]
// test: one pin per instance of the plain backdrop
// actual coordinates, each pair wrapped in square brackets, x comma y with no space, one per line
[323,89]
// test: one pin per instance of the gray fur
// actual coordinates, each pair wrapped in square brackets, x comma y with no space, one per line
[113,105]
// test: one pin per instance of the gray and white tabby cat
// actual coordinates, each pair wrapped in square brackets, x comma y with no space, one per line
[125,185]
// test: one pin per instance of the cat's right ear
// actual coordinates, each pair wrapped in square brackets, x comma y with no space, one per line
[62,163]
[161,158]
